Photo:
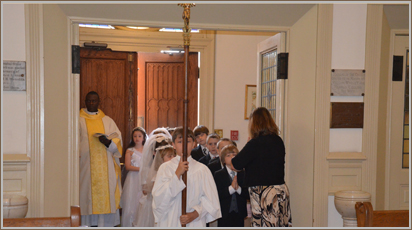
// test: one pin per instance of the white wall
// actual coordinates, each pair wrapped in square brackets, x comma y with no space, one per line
[348,52]
[14,102]
[235,67]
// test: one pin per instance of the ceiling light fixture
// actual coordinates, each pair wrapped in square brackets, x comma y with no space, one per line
[96,26]
[138,27]
[173,50]
[177,30]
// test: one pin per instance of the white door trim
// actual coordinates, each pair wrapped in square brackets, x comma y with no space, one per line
[394,32]
[207,73]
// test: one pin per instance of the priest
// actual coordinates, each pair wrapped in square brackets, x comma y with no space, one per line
[100,183]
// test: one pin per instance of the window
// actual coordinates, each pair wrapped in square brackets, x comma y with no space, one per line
[268,82]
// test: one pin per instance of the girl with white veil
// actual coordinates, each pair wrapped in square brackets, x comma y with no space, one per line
[156,150]
[132,191]
[161,130]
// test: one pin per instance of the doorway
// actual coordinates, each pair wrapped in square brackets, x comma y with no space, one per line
[142,89]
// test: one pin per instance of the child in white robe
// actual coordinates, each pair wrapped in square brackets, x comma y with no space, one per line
[202,198]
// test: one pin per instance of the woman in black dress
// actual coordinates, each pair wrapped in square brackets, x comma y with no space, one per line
[263,159]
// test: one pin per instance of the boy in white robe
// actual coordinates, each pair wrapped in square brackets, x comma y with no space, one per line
[202,204]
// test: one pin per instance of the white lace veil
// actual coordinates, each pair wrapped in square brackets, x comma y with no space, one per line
[148,160]
[163,130]
[158,160]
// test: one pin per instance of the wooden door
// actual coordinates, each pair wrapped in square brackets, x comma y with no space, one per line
[112,75]
[161,90]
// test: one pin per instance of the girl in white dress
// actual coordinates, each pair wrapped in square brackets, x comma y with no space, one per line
[132,192]
[157,150]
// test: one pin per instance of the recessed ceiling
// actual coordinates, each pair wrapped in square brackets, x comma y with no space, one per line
[397,15]
[271,15]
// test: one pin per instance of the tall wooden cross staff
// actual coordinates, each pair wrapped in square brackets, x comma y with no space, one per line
[186,42]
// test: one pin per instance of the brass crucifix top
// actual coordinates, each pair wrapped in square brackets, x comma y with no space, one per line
[186,18]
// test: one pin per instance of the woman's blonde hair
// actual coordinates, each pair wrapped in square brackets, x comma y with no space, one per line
[262,123]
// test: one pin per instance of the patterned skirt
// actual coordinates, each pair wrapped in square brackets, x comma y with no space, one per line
[270,206]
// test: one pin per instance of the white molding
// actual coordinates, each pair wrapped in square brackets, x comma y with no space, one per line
[35,108]
[73,117]
[394,32]
[344,176]
[154,42]
[15,158]
[15,177]
[322,116]
[371,98]
[346,156]
[202,26]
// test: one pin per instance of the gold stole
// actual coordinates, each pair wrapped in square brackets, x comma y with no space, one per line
[98,165]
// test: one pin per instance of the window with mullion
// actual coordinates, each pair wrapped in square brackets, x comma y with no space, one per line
[268,82]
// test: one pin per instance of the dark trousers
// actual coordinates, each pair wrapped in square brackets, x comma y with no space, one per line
[232,220]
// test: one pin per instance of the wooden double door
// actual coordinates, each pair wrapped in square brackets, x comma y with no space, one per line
[145,89]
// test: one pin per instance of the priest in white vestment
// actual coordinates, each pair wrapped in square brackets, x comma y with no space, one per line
[202,204]
[100,183]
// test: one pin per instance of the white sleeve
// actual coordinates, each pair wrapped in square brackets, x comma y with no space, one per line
[166,189]
[112,147]
[231,190]
[209,201]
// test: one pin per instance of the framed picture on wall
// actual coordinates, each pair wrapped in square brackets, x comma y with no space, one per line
[250,100]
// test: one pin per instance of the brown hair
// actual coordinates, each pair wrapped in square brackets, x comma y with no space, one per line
[162,153]
[179,132]
[227,149]
[226,139]
[213,135]
[200,129]
[262,124]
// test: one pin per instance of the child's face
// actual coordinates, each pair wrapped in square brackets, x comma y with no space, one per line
[228,159]
[201,139]
[168,157]
[221,145]
[212,146]
[179,147]
[138,137]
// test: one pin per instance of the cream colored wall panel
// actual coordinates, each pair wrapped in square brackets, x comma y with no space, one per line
[12,185]
[404,196]
[300,130]
[56,111]
[15,178]
[14,102]
[345,177]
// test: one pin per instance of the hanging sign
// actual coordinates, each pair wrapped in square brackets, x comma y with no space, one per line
[14,76]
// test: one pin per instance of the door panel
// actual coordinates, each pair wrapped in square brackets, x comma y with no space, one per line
[270,90]
[161,100]
[112,75]
[399,177]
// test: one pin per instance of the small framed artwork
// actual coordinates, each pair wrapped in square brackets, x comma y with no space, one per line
[250,100]
[219,132]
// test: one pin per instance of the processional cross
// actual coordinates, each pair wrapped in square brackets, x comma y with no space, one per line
[186,43]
